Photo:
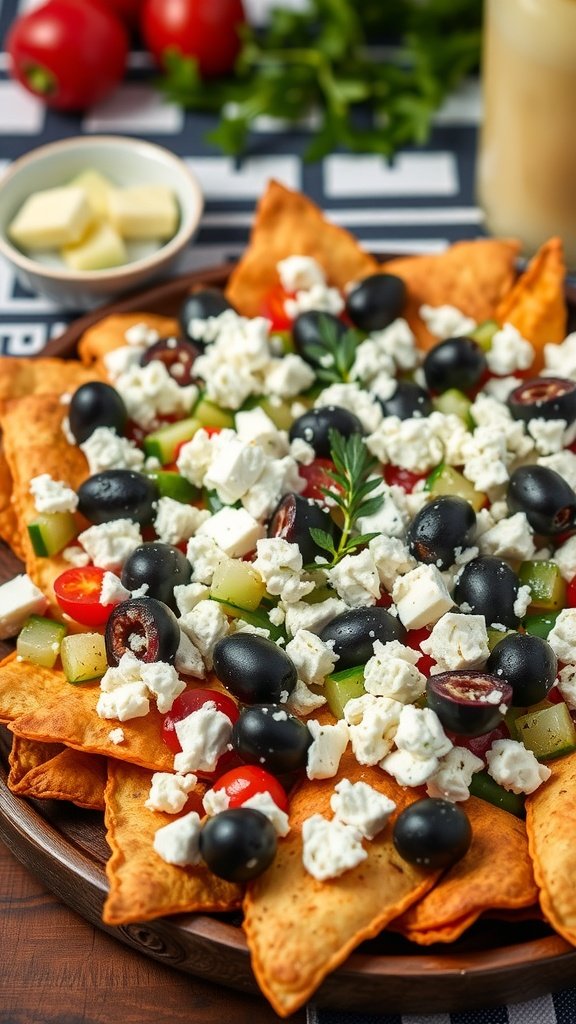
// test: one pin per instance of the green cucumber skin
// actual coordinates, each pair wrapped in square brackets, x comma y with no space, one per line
[484,787]
[49,536]
[172,485]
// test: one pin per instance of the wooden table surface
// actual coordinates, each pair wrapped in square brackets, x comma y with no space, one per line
[55,968]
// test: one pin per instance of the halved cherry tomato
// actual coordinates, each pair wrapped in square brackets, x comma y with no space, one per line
[273,308]
[247,780]
[478,745]
[413,639]
[402,477]
[186,704]
[316,476]
[571,594]
[78,594]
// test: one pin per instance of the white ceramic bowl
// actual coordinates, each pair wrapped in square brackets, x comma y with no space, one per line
[126,161]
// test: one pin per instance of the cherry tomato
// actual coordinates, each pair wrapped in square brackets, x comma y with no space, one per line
[127,10]
[480,744]
[247,780]
[78,594]
[316,476]
[273,308]
[204,29]
[186,704]
[402,477]
[71,53]
[413,639]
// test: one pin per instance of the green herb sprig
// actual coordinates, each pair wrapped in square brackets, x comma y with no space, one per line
[354,466]
[334,353]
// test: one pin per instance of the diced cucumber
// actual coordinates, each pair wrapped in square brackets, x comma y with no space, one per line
[279,412]
[547,587]
[454,402]
[172,485]
[286,340]
[50,532]
[83,657]
[237,583]
[547,732]
[319,594]
[484,787]
[541,625]
[343,686]
[164,443]
[256,618]
[447,480]
[484,333]
[496,635]
[39,641]
[209,414]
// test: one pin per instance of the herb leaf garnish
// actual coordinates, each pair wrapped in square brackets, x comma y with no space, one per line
[334,353]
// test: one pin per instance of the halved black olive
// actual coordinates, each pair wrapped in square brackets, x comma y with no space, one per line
[488,586]
[467,702]
[118,494]
[144,626]
[544,496]
[238,844]
[161,567]
[200,305]
[253,668]
[178,358]
[294,517]
[310,330]
[269,736]
[454,363]
[439,529]
[548,398]
[408,400]
[432,832]
[355,631]
[376,301]
[315,425]
[93,405]
[527,663]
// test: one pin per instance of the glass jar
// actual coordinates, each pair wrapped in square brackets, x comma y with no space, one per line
[526,174]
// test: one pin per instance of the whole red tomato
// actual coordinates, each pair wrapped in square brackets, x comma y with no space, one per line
[71,53]
[127,10]
[204,29]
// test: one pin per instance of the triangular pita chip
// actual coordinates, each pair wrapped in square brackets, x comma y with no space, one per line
[26,755]
[536,306]
[110,333]
[25,687]
[66,775]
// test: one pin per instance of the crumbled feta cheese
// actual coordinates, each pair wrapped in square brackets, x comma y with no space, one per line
[234,530]
[509,538]
[391,557]
[234,468]
[302,452]
[319,296]
[312,616]
[205,625]
[52,495]
[560,360]
[110,544]
[562,636]
[264,803]
[105,450]
[76,555]
[325,752]
[314,659]
[279,563]
[330,848]
[374,367]
[355,579]
[188,595]
[159,679]
[255,427]
[411,443]
[204,555]
[514,767]
[420,733]
[458,641]
[522,602]
[563,463]
[355,399]
[150,391]
[215,801]
[446,321]
[509,352]
[452,779]
[362,806]
[565,558]
[279,477]
[141,336]
[501,387]
[125,701]
[113,590]
[116,736]
[303,701]
[485,458]
[566,683]
[300,273]
[288,376]
[372,723]
[421,597]
[390,520]
[204,736]
[175,522]
[179,842]
[391,672]
[188,659]
[548,435]
[409,770]
[397,342]
[19,598]
[168,792]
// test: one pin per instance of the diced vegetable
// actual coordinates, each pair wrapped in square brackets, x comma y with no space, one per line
[484,333]
[50,532]
[447,480]
[496,635]
[209,414]
[172,485]
[454,402]
[164,443]
[237,583]
[547,732]
[547,587]
[540,625]
[39,641]
[83,657]
[343,686]
[213,503]
[484,787]
[258,617]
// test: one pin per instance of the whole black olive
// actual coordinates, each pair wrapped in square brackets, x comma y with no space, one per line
[432,832]
[408,400]
[118,494]
[178,358]
[253,668]
[547,398]
[161,566]
[315,425]
[488,586]
[527,663]
[454,363]
[544,496]
[468,703]
[238,844]
[294,517]
[310,331]
[355,631]
[440,530]
[269,736]
[93,405]
[200,305]
[376,301]
[144,626]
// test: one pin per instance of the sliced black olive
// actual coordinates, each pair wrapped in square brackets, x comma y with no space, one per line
[294,517]
[440,530]
[315,425]
[454,363]
[161,566]
[408,400]
[238,844]
[527,663]
[178,358]
[547,398]
[355,631]
[118,494]
[376,301]
[269,736]
[544,496]
[488,586]
[468,703]
[310,331]
[432,832]
[93,405]
[201,305]
[144,626]
[253,668]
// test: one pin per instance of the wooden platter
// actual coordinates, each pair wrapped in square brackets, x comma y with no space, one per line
[495,962]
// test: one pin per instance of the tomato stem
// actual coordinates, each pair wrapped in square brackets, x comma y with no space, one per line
[41,80]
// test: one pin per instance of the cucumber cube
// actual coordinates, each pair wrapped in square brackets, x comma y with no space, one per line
[454,402]
[343,686]
[50,532]
[447,480]
[173,485]
[541,625]
[39,641]
[209,414]
[547,587]
[484,333]
[83,657]
[164,443]
[237,583]
[547,732]
[484,787]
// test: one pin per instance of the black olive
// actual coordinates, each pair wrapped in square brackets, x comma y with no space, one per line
[315,425]
[310,330]
[488,586]
[238,844]
[161,566]
[432,832]
[178,358]
[547,398]
[376,301]
[408,400]
[527,663]
[454,363]
[468,703]
[294,517]
[118,494]
[355,631]
[96,405]
[269,736]
[253,668]
[144,626]
[440,530]
[201,305]
[544,496]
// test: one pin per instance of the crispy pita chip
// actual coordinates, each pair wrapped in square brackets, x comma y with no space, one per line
[26,755]
[20,377]
[288,222]
[473,276]
[551,826]
[69,775]
[299,929]
[142,885]
[25,688]
[495,873]
[110,333]
[536,306]
[9,529]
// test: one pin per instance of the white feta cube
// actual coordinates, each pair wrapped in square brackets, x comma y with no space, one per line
[330,848]
[515,768]
[421,597]
[325,752]
[204,736]
[179,842]
[169,793]
[19,598]
[362,806]
[234,530]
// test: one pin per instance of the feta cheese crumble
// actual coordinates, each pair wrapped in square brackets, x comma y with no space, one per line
[330,848]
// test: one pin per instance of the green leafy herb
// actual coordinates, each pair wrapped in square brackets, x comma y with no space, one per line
[334,353]
[316,62]
[354,466]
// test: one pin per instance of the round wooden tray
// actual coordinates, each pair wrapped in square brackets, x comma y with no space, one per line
[495,962]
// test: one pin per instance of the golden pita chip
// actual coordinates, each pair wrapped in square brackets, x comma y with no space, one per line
[536,306]
[300,929]
[68,775]
[110,333]
[495,873]
[142,885]
[288,222]
[25,688]
[9,528]
[26,755]
[551,826]
[20,377]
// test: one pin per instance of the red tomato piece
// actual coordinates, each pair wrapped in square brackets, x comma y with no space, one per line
[273,308]
[186,704]
[402,477]
[413,639]
[247,780]
[78,594]
[316,476]
[571,594]
[207,30]
[127,10]
[480,744]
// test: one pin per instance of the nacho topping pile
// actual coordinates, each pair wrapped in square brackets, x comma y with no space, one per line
[300,587]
